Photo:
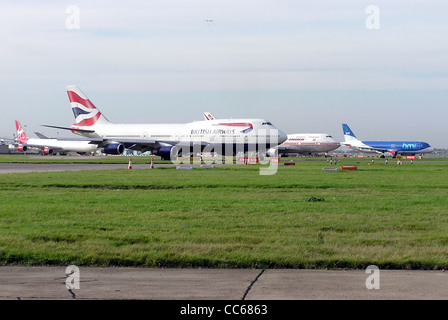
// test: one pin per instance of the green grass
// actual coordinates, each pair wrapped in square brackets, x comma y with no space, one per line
[388,215]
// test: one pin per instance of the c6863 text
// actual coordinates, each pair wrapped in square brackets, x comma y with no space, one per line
[228,309]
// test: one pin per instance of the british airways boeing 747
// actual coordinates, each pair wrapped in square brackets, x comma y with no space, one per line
[222,136]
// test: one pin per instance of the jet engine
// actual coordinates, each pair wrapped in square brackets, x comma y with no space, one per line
[21,148]
[47,150]
[167,152]
[113,148]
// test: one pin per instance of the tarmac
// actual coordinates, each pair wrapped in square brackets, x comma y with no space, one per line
[113,283]
[49,167]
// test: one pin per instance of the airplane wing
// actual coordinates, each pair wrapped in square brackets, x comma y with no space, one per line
[378,150]
[292,149]
[150,145]
[133,144]
[68,128]
[7,140]
[282,149]
[383,150]
[141,145]
[40,135]
[367,148]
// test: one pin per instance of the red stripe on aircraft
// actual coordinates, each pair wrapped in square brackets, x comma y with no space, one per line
[237,124]
[73,97]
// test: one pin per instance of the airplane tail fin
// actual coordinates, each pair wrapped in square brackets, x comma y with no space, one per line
[85,112]
[208,116]
[349,136]
[21,136]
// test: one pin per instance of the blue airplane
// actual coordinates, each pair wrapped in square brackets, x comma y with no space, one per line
[393,147]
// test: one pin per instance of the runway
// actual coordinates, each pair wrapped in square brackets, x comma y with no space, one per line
[48,167]
[25,283]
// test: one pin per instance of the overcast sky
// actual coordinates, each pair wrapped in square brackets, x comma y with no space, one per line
[306,66]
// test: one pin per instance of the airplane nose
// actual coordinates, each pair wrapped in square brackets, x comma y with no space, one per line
[282,137]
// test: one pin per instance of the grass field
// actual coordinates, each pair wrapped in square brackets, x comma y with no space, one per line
[392,216]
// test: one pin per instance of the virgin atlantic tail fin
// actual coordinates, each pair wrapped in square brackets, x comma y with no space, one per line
[21,136]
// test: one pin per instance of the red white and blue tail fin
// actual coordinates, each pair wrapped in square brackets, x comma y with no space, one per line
[85,112]
[21,136]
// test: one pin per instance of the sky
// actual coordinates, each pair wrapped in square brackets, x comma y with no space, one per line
[306,66]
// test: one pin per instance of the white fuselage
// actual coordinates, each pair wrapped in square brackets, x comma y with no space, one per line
[62,145]
[305,143]
[213,132]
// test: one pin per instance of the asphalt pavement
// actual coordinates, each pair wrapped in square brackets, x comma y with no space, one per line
[113,283]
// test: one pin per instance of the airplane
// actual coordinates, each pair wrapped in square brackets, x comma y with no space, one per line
[307,143]
[393,147]
[50,146]
[169,140]
[302,143]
